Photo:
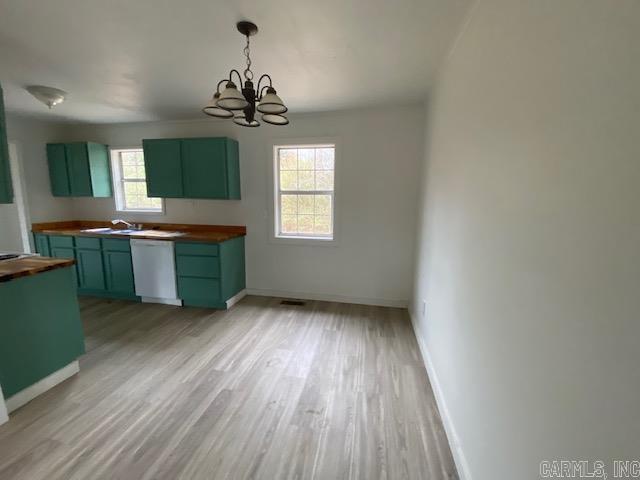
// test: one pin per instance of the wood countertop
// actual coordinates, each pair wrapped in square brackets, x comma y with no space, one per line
[22,267]
[155,231]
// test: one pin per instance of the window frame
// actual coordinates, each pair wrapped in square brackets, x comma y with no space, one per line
[276,236]
[118,182]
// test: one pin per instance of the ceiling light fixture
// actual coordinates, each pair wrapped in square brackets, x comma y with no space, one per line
[225,104]
[48,95]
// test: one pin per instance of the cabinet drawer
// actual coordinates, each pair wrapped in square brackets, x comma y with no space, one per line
[60,241]
[116,245]
[199,288]
[197,266]
[205,249]
[88,243]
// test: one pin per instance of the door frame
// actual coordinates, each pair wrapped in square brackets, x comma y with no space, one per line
[19,197]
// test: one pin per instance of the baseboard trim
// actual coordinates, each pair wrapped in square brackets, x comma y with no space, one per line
[452,436]
[380,302]
[236,298]
[4,415]
[26,395]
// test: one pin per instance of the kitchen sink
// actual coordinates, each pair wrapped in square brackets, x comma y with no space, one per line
[109,231]
[134,233]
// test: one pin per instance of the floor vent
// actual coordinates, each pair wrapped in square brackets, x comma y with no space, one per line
[298,303]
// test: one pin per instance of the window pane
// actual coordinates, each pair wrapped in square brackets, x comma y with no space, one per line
[306,158]
[305,204]
[289,224]
[324,180]
[306,169]
[323,205]
[289,180]
[132,187]
[322,224]
[289,204]
[128,171]
[288,158]
[324,158]
[305,223]
[306,180]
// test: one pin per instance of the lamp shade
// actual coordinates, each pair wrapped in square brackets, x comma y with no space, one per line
[213,110]
[48,95]
[271,103]
[275,119]
[241,120]
[231,98]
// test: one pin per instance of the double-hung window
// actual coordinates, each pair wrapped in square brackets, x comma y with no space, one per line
[130,184]
[304,191]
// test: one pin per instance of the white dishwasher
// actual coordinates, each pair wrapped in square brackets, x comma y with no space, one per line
[154,271]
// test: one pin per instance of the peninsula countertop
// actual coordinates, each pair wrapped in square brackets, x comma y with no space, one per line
[154,231]
[22,267]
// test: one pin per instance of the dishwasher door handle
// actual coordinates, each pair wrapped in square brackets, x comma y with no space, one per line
[151,243]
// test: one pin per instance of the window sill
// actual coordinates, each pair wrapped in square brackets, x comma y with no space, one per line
[305,241]
[145,212]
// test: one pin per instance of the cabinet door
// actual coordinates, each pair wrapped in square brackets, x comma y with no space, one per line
[163,167]
[66,252]
[90,269]
[42,244]
[119,272]
[204,168]
[78,167]
[6,186]
[58,173]
[100,170]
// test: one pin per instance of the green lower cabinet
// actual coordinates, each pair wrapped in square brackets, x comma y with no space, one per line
[118,270]
[65,252]
[103,265]
[210,274]
[90,270]
[42,244]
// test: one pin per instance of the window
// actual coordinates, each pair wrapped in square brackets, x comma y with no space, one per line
[304,187]
[129,182]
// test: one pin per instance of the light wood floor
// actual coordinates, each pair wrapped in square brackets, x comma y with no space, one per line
[264,391]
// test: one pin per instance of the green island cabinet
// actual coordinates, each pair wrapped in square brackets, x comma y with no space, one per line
[192,168]
[103,265]
[209,274]
[41,328]
[79,169]
[6,189]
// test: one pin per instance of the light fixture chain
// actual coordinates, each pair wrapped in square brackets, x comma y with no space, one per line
[248,74]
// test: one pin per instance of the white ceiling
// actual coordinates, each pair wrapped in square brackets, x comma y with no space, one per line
[135,60]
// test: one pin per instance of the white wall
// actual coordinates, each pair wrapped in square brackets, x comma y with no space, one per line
[530,232]
[376,201]
[30,137]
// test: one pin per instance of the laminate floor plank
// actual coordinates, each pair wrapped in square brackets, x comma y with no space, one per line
[262,391]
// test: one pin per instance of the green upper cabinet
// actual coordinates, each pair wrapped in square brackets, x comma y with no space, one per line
[58,174]
[163,167]
[193,168]
[79,169]
[6,190]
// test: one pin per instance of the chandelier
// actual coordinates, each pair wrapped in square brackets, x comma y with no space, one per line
[241,106]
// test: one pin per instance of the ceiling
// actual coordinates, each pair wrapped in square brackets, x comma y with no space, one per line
[138,60]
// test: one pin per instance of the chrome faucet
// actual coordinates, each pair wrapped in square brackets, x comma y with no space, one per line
[132,226]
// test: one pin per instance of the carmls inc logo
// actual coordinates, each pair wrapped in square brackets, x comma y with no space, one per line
[575,469]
